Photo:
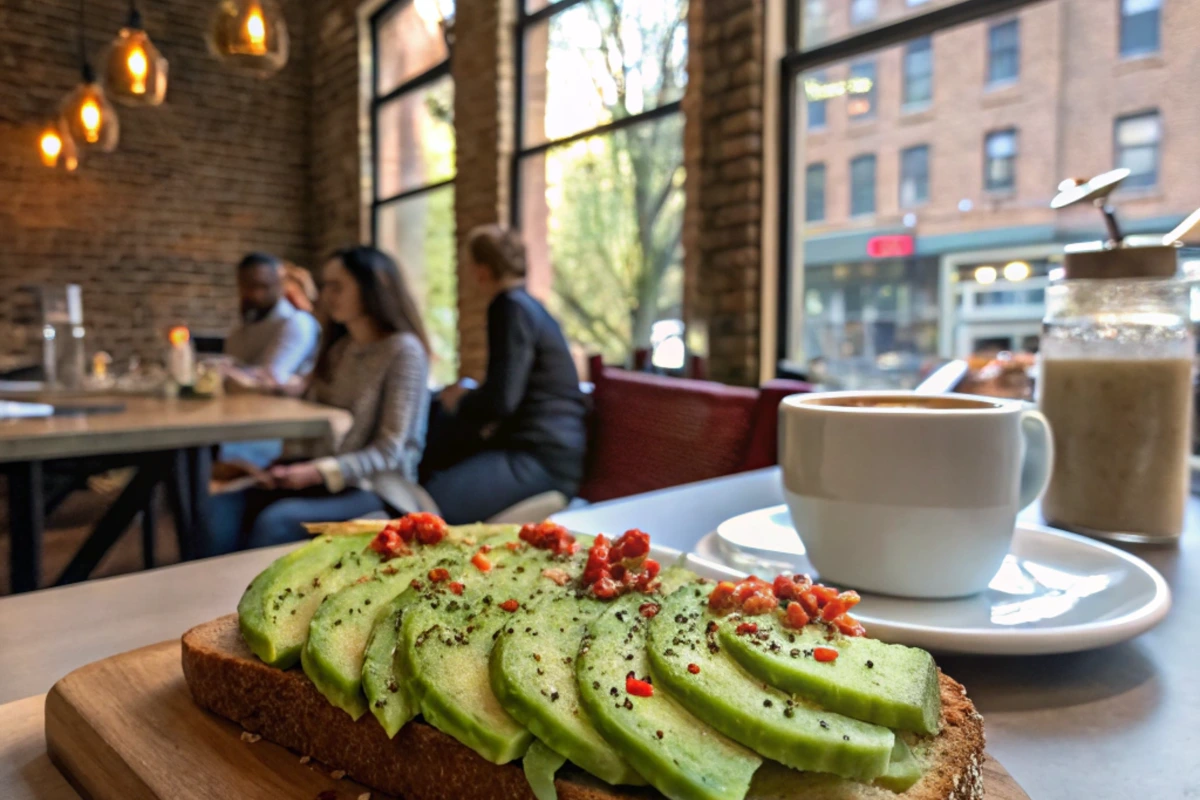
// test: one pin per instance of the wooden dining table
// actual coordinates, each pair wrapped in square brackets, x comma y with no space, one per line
[167,441]
[1111,723]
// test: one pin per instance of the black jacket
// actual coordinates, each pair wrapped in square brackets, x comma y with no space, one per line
[531,395]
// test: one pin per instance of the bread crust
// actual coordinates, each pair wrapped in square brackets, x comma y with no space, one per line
[422,763]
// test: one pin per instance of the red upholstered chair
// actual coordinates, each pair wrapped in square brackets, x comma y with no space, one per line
[649,432]
[763,450]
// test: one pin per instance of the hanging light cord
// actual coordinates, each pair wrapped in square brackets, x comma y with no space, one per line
[88,75]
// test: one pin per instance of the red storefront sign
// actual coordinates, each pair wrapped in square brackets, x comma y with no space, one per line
[895,246]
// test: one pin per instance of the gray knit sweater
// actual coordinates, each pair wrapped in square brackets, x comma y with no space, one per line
[383,386]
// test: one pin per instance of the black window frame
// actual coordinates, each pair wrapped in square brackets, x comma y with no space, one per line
[1126,48]
[809,171]
[988,136]
[907,102]
[798,61]
[922,176]
[873,160]
[1133,182]
[1005,54]
[395,95]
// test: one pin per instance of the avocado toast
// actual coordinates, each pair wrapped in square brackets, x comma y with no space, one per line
[538,645]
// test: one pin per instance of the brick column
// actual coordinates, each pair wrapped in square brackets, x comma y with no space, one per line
[725,178]
[484,71]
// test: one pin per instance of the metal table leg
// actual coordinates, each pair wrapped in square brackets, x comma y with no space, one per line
[27,518]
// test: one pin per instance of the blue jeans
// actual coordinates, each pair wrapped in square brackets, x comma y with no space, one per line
[487,483]
[259,452]
[260,518]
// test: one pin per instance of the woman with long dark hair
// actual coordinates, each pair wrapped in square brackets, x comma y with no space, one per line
[373,362]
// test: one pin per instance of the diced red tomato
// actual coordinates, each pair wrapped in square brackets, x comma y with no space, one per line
[849,626]
[597,561]
[549,536]
[481,562]
[439,574]
[825,654]
[746,627]
[631,544]
[839,605]
[694,669]
[824,594]
[721,597]
[605,588]
[455,587]
[513,546]
[638,688]
[510,605]
[795,617]
[389,544]
[648,610]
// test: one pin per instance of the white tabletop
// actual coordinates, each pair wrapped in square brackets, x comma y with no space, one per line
[1119,722]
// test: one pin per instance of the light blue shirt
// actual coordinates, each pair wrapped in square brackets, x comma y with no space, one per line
[284,342]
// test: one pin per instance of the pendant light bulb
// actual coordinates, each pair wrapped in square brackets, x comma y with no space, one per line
[137,72]
[57,149]
[90,120]
[249,34]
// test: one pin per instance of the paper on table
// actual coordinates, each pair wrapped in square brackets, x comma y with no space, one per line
[13,409]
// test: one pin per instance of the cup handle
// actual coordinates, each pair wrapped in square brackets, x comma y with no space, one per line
[1039,456]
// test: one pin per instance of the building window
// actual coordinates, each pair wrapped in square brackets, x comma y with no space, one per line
[814,25]
[918,72]
[1141,24]
[1138,138]
[862,186]
[860,90]
[914,176]
[814,193]
[863,11]
[413,163]
[1004,52]
[1000,161]
[816,107]
[599,170]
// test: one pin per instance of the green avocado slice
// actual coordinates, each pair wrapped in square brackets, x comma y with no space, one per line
[540,764]
[389,693]
[678,754]
[687,662]
[275,611]
[903,771]
[534,679]
[445,642]
[334,656]
[886,684]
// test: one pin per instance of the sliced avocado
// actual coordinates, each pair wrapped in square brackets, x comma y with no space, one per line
[903,771]
[533,676]
[445,641]
[678,754]
[389,695]
[337,636]
[886,684]
[687,662]
[540,764]
[334,655]
[275,610]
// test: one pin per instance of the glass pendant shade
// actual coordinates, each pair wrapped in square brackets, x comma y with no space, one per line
[89,118]
[249,34]
[57,149]
[136,73]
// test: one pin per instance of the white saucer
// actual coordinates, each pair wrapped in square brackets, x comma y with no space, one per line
[1056,593]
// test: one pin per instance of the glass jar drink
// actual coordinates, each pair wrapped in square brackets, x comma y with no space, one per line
[1116,384]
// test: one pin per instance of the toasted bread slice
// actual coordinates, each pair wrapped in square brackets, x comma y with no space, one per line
[422,763]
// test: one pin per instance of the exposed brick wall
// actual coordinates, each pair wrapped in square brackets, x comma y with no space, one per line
[152,231]
[483,68]
[728,66]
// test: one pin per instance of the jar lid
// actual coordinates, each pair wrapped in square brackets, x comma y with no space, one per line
[1103,260]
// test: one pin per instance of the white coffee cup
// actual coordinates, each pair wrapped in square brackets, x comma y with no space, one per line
[910,494]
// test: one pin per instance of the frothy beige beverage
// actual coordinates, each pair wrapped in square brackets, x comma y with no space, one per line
[1122,439]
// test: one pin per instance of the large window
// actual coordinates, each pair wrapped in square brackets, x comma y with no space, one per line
[862,186]
[914,176]
[1141,23]
[1004,52]
[599,169]
[918,73]
[1137,139]
[413,146]
[1000,161]
[863,12]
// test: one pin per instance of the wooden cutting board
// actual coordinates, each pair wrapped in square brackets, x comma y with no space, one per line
[126,728]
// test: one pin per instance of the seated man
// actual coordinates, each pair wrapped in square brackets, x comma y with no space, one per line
[275,339]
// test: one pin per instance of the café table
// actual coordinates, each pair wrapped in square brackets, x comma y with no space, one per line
[1112,723]
[166,440]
